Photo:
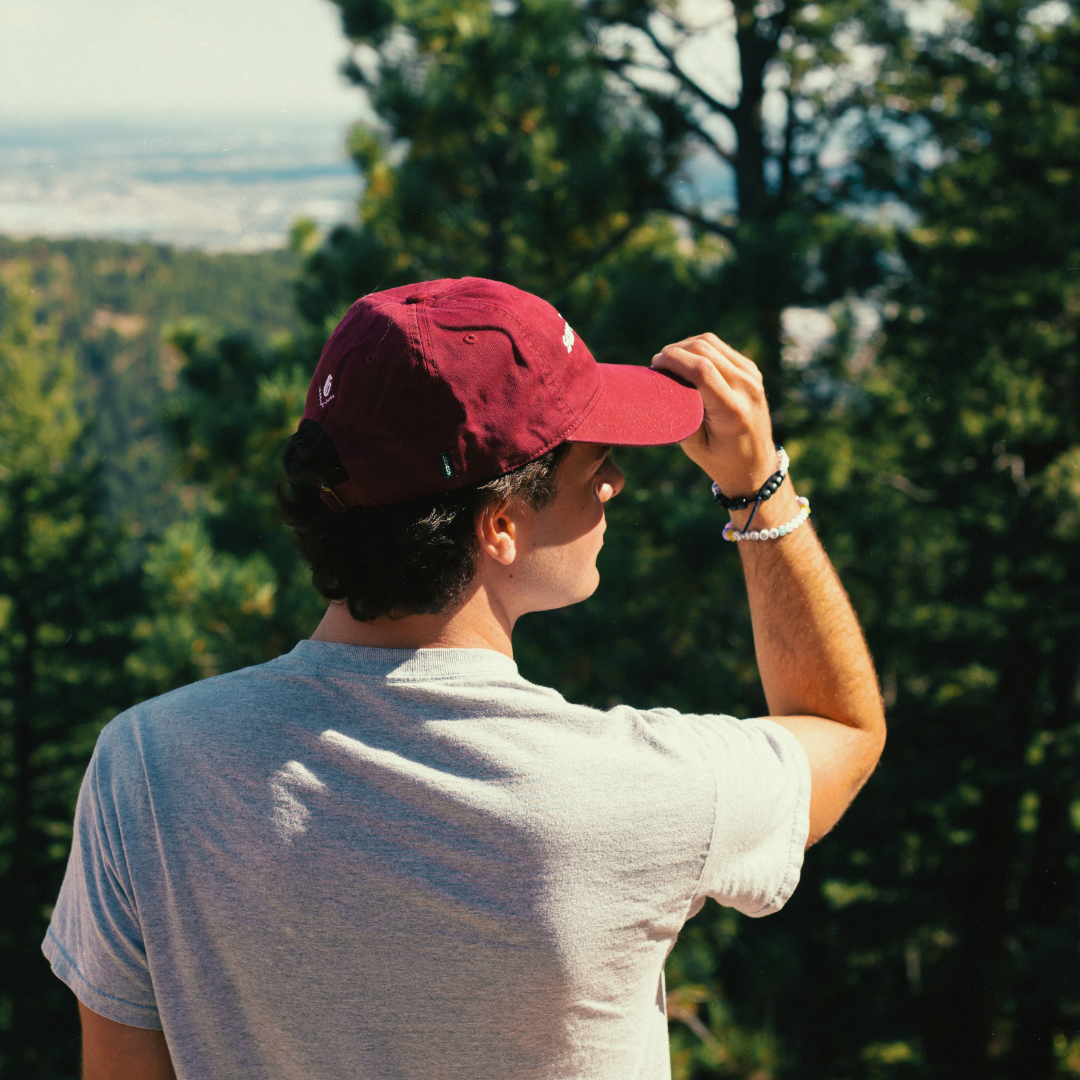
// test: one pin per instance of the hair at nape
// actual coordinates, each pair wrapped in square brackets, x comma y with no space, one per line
[405,558]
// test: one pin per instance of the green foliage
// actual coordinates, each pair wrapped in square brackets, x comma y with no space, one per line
[226,586]
[502,152]
[954,522]
[772,133]
[80,340]
[64,607]
[209,610]
[110,303]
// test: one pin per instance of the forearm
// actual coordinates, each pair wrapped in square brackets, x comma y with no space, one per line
[815,668]
[811,653]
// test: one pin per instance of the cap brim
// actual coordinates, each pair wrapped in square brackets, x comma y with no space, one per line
[639,406]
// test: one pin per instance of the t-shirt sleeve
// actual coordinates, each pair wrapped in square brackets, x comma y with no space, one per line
[94,941]
[762,815]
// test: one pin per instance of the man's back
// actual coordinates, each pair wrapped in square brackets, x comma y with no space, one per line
[376,863]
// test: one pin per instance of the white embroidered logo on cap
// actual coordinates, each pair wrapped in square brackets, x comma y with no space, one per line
[325,397]
[568,337]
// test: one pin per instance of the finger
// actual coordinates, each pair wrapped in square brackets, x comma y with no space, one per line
[719,348]
[701,365]
[700,370]
[734,365]
[744,363]
[699,343]
[710,344]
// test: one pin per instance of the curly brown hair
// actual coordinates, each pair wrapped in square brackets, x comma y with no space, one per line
[407,558]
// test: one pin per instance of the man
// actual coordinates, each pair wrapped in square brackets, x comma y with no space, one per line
[386,854]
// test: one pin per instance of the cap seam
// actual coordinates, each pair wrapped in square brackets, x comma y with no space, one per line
[423,342]
[585,412]
[502,309]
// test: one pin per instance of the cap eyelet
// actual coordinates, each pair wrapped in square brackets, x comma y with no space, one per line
[469,339]
[370,359]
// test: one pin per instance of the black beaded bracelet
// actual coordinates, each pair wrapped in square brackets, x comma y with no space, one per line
[767,491]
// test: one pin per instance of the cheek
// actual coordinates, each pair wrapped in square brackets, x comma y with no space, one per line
[567,547]
[590,538]
[589,535]
[572,523]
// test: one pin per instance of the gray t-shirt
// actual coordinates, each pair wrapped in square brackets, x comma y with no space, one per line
[369,863]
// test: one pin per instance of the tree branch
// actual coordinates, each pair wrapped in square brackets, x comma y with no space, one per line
[689,124]
[786,154]
[728,232]
[713,145]
[677,70]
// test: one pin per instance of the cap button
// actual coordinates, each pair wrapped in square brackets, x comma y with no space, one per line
[419,298]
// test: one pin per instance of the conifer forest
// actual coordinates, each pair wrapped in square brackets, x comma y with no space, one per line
[902,176]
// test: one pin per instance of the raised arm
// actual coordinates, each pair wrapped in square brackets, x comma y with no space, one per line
[815,668]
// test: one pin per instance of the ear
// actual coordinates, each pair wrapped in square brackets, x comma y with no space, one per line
[497,531]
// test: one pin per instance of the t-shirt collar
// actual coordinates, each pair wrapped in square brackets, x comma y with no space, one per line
[401,663]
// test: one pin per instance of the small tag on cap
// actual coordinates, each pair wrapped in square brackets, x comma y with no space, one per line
[447,465]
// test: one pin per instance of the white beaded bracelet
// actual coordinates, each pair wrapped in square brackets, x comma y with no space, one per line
[731,533]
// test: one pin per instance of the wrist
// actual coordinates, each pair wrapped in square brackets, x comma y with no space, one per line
[760,492]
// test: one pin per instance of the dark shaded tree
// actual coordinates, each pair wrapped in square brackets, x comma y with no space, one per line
[225,585]
[953,480]
[763,98]
[65,609]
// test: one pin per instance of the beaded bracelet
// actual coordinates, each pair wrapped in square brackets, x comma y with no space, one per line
[731,533]
[767,491]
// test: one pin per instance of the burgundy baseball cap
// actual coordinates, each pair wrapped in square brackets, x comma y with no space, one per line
[430,387]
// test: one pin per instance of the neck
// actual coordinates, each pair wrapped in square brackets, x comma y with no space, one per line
[476,623]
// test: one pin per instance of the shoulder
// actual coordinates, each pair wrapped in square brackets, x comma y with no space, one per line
[664,734]
[184,713]
[724,753]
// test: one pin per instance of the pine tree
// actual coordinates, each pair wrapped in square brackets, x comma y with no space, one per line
[762,98]
[500,151]
[66,600]
[225,586]
[948,491]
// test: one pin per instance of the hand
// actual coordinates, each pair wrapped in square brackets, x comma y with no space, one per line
[734,444]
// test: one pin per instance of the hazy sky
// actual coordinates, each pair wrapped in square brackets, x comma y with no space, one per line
[194,58]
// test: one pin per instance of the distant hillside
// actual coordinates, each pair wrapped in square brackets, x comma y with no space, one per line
[111,301]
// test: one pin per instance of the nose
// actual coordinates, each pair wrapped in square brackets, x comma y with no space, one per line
[612,480]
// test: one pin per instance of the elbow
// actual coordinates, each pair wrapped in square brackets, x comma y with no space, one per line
[873,733]
[873,746]
[877,735]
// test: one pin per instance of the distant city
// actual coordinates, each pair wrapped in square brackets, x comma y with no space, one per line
[232,185]
[228,186]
